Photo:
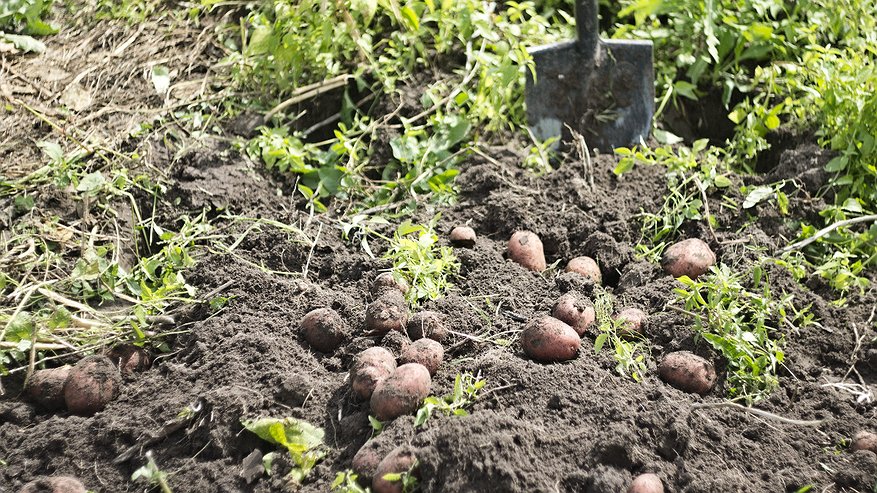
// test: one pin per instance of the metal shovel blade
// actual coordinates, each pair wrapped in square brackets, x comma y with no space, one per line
[602,89]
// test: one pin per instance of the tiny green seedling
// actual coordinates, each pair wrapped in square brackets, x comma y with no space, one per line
[376,424]
[346,482]
[151,473]
[302,440]
[407,478]
[466,387]
[628,355]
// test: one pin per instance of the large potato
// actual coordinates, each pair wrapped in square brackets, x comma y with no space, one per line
[401,393]
[548,339]
[427,352]
[324,329]
[864,440]
[574,311]
[92,383]
[400,460]
[370,367]
[691,257]
[688,372]
[54,484]
[388,312]
[428,324]
[587,267]
[46,387]
[526,249]
[633,320]
[463,236]
[646,483]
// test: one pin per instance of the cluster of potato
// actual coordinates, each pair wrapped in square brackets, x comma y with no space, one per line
[88,386]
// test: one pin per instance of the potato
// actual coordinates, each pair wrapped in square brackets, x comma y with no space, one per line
[463,236]
[401,392]
[427,352]
[370,367]
[129,358]
[548,339]
[646,483]
[587,267]
[687,372]
[387,281]
[388,312]
[55,484]
[395,342]
[366,461]
[864,440]
[633,318]
[92,383]
[427,324]
[324,329]
[691,257]
[400,460]
[525,248]
[46,387]
[575,312]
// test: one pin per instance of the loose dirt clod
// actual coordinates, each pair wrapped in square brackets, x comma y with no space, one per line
[463,236]
[92,383]
[46,387]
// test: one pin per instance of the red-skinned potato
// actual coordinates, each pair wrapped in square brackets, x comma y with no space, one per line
[54,484]
[688,372]
[324,329]
[386,281]
[370,367]
[92,383]
[129,358]
[587,267]
[388,312]
[646,483]
[463,236]
[366,461]
[691,257]
[427,352]
[526,249]
[633,318]
[401,393]
[46,387]
[575,312]
[427,324]
[547,339]
[864,440]
[399,461]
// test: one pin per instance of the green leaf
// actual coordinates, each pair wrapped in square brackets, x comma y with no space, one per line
[757,195]
[161,79]
[600,341]
[23,42]
[91,182]
[623,166]
[365,8]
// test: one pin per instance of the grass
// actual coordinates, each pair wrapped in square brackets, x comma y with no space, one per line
[629,355]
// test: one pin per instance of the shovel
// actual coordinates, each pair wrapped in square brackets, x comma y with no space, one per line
[602,89]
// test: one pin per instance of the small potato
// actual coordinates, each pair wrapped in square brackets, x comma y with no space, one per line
[401,393]
[46,387]
[92,383]
[427,324]
[526,249]
[646,483]
[387,281]
[55,484]
[548,339]
[587,267]
[463,236]
[688,372]
[370,367]
[400,460]
[366,461]
[574,311]
[633,318]
[427,352]
[324,329]
[864,440]
[691,257]
[129,358]
[388,312]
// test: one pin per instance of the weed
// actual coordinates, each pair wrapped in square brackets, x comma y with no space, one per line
[152,474]
[629,356]
[303,441]
[346,482]
[407,479]
[21,20]
[466,387]
[421,262]
[746,325]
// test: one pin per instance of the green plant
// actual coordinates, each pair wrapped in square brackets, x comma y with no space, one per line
[25,17]
[152,474]
[303,441]
[466,387]
[346,482]
[629,355]
[407,479]
[747,325]
[418,259]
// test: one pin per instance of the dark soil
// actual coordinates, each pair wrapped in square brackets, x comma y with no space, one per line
[576,426]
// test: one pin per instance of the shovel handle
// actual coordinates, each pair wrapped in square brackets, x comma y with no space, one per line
[587,24]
